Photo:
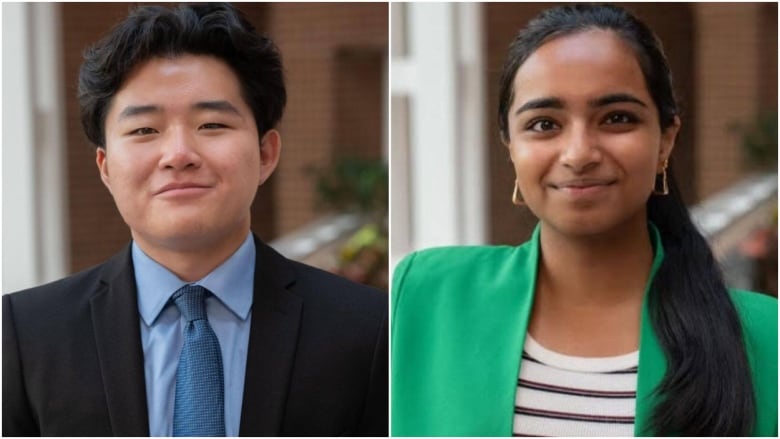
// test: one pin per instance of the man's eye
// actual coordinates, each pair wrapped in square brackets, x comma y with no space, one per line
[143,131]
[541,125]
[619,118]
[213,126]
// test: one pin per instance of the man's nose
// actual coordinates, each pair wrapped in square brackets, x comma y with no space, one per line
[180,150]
[581,149]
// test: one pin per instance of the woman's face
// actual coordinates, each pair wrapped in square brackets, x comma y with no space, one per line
[584,134]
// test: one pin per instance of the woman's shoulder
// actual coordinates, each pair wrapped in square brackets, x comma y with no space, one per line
[456,255]
[758,313]
[455,261]
[755,309]
[459,276]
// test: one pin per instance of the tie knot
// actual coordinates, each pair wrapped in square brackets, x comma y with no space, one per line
[191,299]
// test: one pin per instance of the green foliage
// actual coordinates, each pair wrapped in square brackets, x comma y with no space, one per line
[354,184]
[760,141]
[359,185]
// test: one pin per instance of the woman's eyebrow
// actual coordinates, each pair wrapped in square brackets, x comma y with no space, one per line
[615,98]
[546,102]
[557,103]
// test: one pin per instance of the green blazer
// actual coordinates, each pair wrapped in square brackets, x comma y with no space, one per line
[459,319]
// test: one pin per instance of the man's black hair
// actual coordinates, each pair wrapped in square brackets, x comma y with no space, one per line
[217,30]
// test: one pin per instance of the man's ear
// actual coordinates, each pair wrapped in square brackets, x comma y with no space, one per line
[668,138]
[270,150]
[102,164]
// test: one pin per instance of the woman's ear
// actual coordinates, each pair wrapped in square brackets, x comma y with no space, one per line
[668,139]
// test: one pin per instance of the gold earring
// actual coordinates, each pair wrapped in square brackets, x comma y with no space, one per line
[664,185]
[516,200]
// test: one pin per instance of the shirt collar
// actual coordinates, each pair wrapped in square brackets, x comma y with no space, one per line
[232,282]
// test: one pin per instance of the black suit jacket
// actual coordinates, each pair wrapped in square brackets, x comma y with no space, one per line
[317,361]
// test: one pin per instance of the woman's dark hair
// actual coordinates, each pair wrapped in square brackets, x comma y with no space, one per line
[217,30]
[707,388]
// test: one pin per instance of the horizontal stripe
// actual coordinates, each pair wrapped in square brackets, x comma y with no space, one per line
[572,403]
[537,426]
[634,369]
[580,380]
[576,363]
[629,370]
[574,391]
[525,356]
[574,416]
[574,396]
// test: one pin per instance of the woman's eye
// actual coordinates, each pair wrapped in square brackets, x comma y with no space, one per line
[145,131]
[619,118]
[541,125]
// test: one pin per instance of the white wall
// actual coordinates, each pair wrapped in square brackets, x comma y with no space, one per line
[439,158]
[34,186]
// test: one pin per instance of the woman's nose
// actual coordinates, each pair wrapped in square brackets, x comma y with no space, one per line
[581,149]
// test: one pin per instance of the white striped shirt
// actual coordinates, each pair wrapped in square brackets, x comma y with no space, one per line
[562,395]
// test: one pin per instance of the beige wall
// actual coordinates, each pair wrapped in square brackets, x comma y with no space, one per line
[326,116]
[732,41]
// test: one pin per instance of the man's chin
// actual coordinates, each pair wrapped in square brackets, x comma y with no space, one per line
[181,238]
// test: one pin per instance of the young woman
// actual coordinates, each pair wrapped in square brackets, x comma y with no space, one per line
[614,318]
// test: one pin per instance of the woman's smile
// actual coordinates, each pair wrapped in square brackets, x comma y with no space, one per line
[583,189]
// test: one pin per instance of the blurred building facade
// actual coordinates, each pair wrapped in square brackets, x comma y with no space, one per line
[724,61]
[335,60]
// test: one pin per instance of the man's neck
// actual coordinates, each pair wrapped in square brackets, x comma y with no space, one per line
[192,259]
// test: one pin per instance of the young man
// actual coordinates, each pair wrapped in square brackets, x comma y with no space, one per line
[197,327]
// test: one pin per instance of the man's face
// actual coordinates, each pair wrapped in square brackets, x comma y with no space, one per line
[183,158]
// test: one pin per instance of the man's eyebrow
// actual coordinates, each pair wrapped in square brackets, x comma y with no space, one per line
[221,106]
[547,102]
[615,98]
[137,110]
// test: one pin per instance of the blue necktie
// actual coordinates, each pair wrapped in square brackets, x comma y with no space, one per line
[199,407]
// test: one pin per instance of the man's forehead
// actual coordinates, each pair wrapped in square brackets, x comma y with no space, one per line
[185,83]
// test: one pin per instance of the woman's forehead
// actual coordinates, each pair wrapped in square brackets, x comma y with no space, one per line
[584,64]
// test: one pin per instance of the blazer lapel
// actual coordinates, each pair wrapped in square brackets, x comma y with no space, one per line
[523,271]
[652,361]
[117,336]
[276,315]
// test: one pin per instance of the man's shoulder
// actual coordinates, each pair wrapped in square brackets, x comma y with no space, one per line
[332,291]
[53,311]
[71,289]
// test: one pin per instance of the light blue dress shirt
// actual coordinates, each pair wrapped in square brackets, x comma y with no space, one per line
[229,313]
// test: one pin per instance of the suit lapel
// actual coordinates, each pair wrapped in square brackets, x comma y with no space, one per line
[276,315]
[117,336]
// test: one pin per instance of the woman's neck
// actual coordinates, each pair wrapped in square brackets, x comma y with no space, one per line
[599,269]
[589,290]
